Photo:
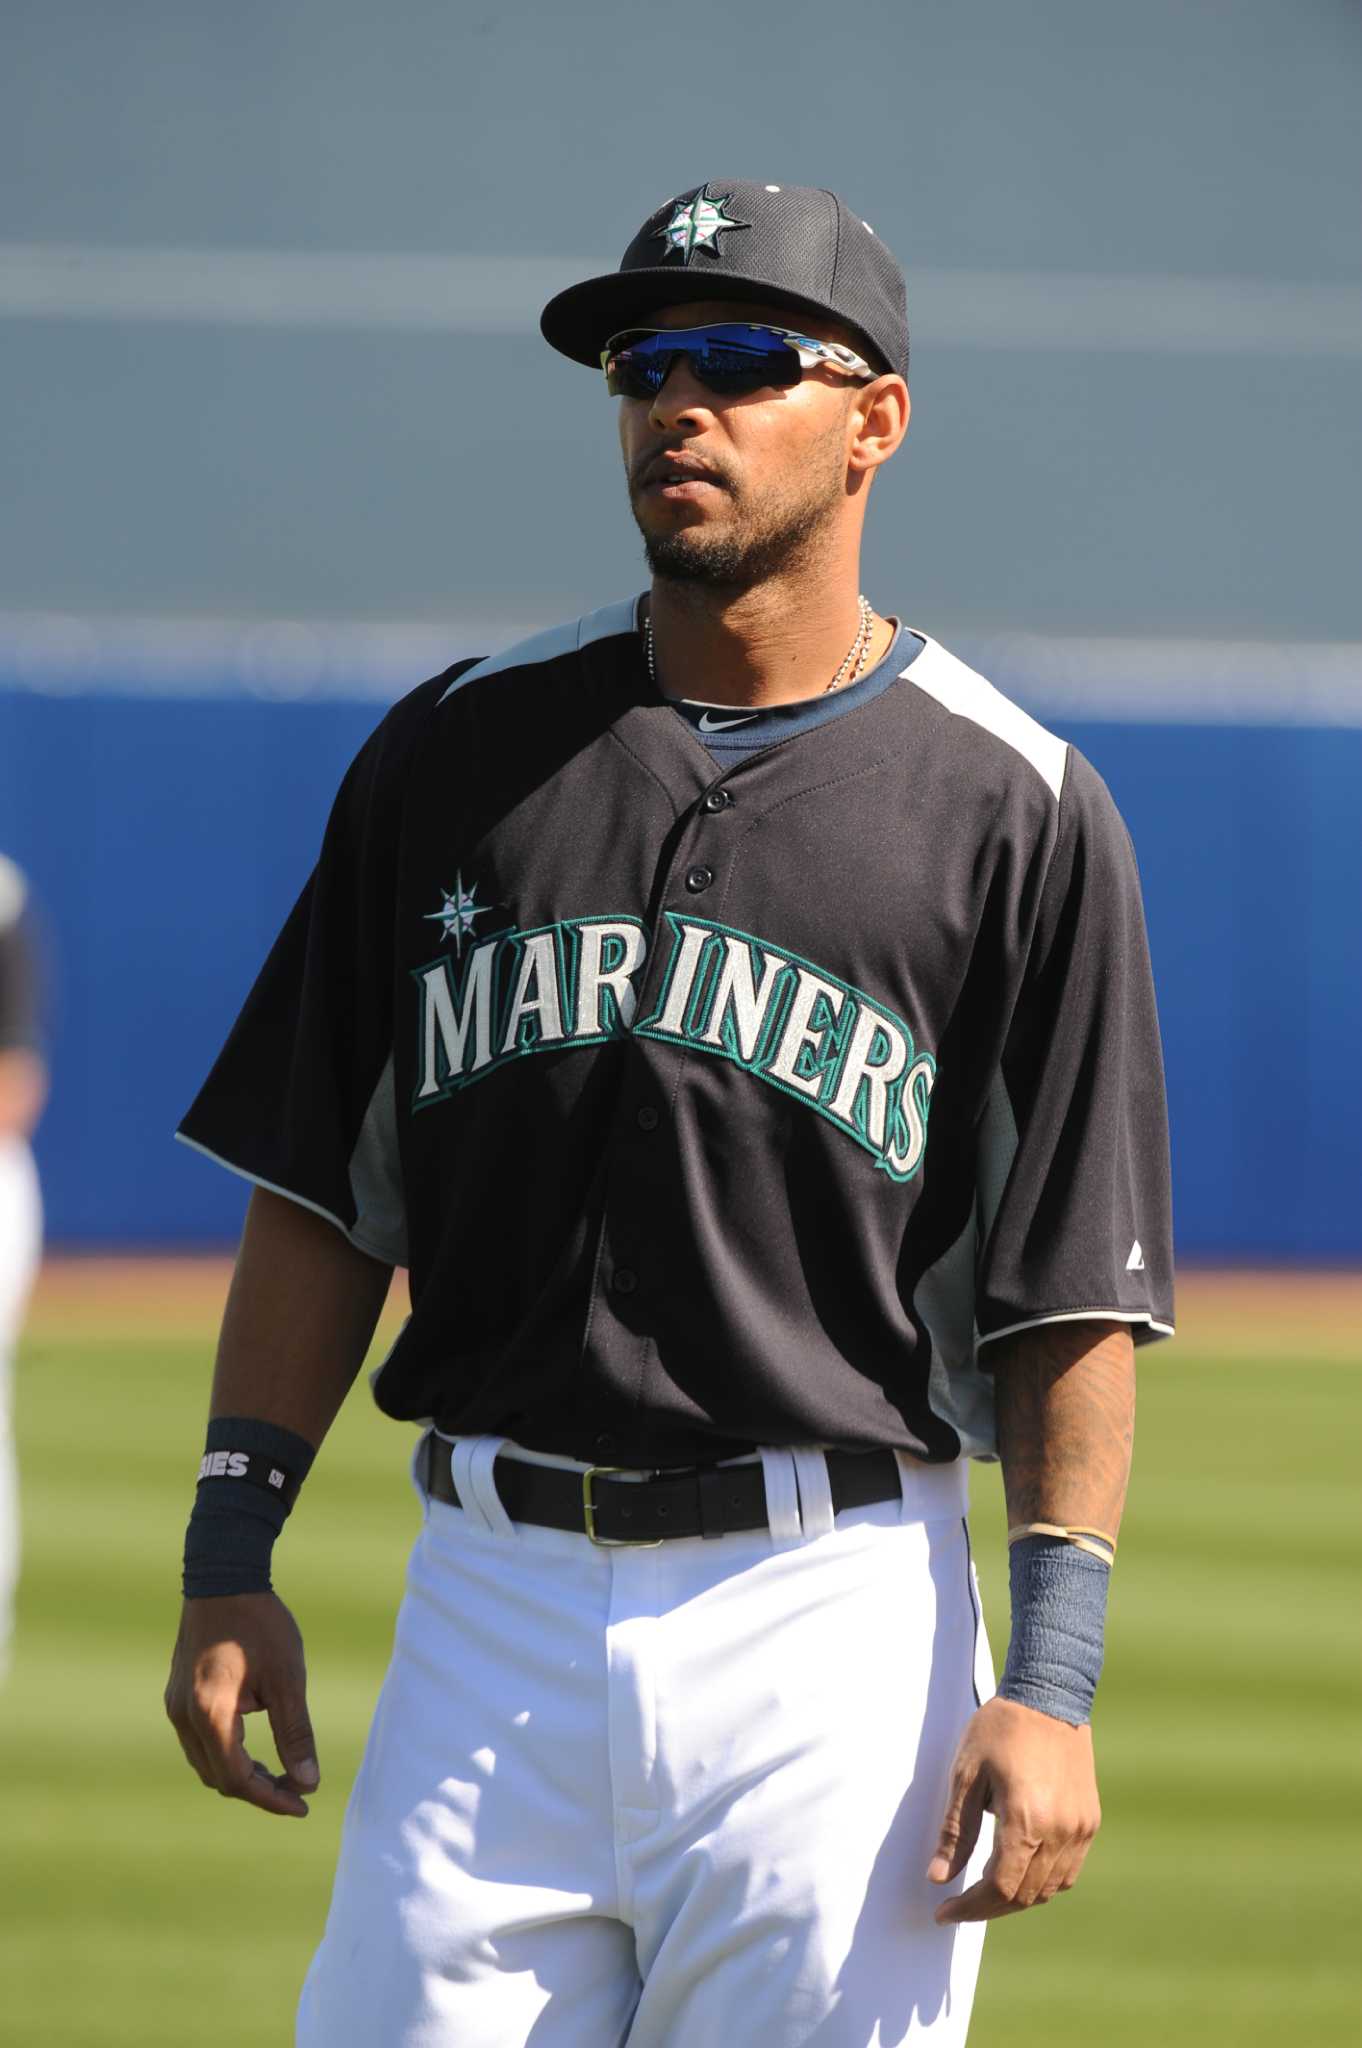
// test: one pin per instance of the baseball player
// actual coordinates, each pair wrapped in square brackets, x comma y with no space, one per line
[23,1085]
[737,1016]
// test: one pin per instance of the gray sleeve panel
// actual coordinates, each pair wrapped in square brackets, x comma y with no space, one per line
[380,1224]
[271,1187]
[997,1150]
[959,1392]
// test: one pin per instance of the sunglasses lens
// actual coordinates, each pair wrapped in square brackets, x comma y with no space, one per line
[730,360]
[740,360]
[630,374]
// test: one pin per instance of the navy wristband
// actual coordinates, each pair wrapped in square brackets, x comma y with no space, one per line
[1059,1612]
[249,1478]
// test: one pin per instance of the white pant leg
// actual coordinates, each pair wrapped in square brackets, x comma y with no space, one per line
[807,1711]
[476,1900]
[716,1767]
[20,1244]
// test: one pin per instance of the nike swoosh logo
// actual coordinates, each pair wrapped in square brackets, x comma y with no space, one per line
[711,724]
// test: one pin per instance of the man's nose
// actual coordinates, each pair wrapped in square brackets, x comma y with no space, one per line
[680,394]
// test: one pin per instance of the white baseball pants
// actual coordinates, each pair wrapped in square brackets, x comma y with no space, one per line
[20,1243]
[678,1797]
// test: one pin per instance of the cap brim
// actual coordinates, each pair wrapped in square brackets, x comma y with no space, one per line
[579,321]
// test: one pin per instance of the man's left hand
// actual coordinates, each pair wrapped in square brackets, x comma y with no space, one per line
[1036,1776]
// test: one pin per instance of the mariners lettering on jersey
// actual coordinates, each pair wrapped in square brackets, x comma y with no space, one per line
[722,991]
[810,1033]
[522,992]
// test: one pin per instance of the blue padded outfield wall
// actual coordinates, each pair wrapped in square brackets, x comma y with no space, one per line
[167,834]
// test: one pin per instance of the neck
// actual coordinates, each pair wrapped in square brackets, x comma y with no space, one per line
[768,645]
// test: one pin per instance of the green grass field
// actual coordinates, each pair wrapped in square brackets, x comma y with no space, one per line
[1220,1904]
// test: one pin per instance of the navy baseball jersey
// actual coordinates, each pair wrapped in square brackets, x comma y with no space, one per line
[714,1101]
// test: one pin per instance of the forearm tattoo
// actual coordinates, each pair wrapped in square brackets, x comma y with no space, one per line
[1066,1423]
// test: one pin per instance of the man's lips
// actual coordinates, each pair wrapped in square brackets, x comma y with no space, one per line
[675,479]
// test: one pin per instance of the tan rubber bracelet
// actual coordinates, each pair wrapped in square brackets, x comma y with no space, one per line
[1081,1538]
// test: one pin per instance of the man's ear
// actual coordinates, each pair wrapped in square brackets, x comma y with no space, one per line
[878,421]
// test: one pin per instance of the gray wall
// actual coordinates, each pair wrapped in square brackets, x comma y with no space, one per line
[1083,458]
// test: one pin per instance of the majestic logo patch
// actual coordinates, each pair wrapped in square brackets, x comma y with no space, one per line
[224,1465]
[457,912]
[721,992]
[698,225]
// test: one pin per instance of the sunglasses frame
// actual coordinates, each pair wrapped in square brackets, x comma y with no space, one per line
[810,353]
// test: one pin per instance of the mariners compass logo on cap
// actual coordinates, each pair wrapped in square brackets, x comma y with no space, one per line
[697,224]
[795,245]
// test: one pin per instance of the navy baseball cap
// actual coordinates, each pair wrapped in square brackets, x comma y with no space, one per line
[732,239]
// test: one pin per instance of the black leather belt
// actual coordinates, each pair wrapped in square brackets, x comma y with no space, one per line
[704,1500]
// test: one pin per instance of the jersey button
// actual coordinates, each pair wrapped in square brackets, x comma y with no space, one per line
[718,800]
[625,1280]
[647,1118]
[604,1443]
[698,878]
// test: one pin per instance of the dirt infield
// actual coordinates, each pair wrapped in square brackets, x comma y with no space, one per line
[1238,1314]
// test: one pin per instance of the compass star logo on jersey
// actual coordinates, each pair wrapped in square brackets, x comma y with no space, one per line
[457,913]
[697,224]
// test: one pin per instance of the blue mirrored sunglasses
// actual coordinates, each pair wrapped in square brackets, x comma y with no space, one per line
[730,357]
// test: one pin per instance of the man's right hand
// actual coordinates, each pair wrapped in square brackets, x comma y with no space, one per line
[236,1656]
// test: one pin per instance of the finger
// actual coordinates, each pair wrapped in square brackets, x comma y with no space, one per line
[981,1902]
[959,1827]
[239,1775]
[215,1702]
[291,1727]
[193,1754]
[273,1794]
[1067,1870]
[222,1730]
[998,1885]
[177,1713]
[234,1772]
[1040,1880]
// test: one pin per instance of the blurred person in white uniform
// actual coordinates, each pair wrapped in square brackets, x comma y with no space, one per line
[23,1089]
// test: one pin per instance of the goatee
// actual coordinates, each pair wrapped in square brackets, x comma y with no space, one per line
[736,561]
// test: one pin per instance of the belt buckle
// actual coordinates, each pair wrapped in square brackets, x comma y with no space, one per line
[589,1515]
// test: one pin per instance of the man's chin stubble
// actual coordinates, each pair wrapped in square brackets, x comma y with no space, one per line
[731,561]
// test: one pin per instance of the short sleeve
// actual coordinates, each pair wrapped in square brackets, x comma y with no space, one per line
[300,1099]
[1074,1185]
[18,993]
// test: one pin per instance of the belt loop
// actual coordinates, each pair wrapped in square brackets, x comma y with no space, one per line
[711,1487]
[476,1486]
[909,1508]
[423,1453]
[932,1490]
[815,1491]
[782,1497]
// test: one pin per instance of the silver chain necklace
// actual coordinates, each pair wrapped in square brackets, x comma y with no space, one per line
[854,660]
